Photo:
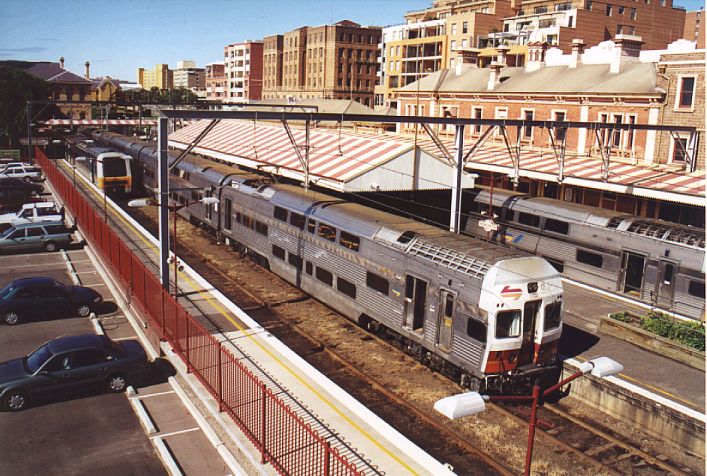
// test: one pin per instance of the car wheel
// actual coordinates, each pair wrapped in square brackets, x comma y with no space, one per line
[27,179]
[50,246]
[116,383]
[83,310]
[11,318]
[15,400]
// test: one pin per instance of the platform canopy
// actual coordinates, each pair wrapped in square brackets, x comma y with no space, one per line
[101,122]
[338,159]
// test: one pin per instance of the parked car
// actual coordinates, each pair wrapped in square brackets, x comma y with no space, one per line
[17,184]
[27,173]
[31,213]
[30,298]
[67,365]
[13,163]
[49,236]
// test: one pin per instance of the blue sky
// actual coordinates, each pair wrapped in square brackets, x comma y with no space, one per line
[119,36]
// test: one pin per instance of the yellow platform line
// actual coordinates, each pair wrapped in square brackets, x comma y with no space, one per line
[224,312]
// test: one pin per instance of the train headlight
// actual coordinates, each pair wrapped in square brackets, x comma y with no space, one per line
[512,358]
[532,287]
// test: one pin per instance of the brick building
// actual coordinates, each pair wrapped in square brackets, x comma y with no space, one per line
[243,66]
[695,27]
[186,75]
[215,81]
[328,61]
[611,83]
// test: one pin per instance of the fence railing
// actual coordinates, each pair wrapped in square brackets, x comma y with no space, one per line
[281,436]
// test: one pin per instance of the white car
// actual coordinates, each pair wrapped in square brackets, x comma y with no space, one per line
[28,173]
[32,213]
[8,165]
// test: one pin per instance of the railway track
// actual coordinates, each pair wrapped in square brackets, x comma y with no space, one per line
[599,450]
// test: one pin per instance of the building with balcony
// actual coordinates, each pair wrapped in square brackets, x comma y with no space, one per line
[188,76]
[215,81]
[159,77]
[336,61]
[243,67]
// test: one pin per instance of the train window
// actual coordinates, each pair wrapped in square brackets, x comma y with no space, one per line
[346,287]
[239,217]
[697,289]
[280,213]
[668,272]
[557,264]
[324,276]
[552,315]
[327,232]
[248,221]
[227,204]
[476,330]
[378,283]
[528,219]
[308,267]
[311,226]
[278,252]
[557,226]
[294,260]
[297,220]
[349,241]
[261,228]
[195,195]
[592,259]
[508,324]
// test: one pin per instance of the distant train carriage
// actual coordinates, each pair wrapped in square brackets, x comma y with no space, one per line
[108,169]
[657,262]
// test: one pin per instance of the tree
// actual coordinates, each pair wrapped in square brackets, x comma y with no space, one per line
[16,88]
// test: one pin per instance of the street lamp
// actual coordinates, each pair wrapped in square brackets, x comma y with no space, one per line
[145,202]
[471,403]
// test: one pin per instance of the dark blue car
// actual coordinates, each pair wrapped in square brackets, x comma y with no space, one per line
[67,365]
[33,298]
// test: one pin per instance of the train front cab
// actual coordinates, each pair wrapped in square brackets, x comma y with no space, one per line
[523,301]
[113,172]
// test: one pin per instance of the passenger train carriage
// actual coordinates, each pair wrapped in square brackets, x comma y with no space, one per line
[659,263]
[486,314]
[108,169]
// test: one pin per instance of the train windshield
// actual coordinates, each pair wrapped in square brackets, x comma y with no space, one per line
[508,324]
[114,168]
[552,315]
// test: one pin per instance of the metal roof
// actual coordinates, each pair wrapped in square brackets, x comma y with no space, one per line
[338,159]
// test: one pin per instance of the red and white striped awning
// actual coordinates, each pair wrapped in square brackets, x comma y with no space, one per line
[101,122]
[338,157]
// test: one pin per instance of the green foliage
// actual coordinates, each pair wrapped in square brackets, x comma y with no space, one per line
[16,88]
[691,334]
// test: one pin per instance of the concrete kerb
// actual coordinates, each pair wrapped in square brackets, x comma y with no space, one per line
[142,415]
[96,324]
[70,267]
[167,457]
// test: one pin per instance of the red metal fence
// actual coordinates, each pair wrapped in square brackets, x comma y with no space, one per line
[283,438]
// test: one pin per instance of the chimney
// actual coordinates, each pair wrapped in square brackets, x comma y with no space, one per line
[494,76]
[61,62]
[88,69]
[537,48]
[625,46]
[502,55]
[467,57]
[577,52]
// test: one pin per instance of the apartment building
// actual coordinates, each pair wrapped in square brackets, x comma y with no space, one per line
[336,61]
[695,27]
[243,66]
[215,82]
[188,76]
[613,82]
[159,77]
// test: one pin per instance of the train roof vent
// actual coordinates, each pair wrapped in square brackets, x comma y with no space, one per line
[390,236]
[407,237]
[615,222]
[448,258]
[686,236]
[648,228]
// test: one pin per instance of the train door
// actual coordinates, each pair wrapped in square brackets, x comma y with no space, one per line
[633,267]
[530,318]
[415,302]
[445,320]
[665,284]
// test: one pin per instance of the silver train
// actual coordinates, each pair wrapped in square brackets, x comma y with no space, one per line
[659,263]
[483,313]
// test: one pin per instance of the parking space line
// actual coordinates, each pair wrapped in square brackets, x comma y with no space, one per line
[118,339]
[156,394]
[44,265]
[178,432]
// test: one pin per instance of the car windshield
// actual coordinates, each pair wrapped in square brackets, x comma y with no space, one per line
[4,292]
[37,358]
[7,232]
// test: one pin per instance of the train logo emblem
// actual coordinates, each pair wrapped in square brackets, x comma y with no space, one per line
[511,293]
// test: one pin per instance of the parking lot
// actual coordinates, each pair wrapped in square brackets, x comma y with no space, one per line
[77,434]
